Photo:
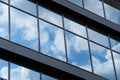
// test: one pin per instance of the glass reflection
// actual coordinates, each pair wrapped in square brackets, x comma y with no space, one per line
[3,69]
[117,63]
[101,58]
[77,2]
[52,41]
[21,73]
[115,45]
[97,37]
[24,29]
[78,53]
[95,6]
[75,27]
[3,21]
[50,16]
[26,5]
[112,13]
[46,77]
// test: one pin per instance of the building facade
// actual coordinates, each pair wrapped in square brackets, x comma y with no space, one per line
[59,40]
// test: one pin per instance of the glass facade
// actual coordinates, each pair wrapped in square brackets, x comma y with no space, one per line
[100,8]
[59,37]
[18,72]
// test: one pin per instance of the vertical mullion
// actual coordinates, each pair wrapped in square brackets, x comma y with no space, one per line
[9,70]
[89,49]
[65,39]
[9,25]
[103,8]
[9,33]
[38,27]
[39,49]
[83,4]
[112,58]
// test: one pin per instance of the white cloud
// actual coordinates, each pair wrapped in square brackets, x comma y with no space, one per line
[2,32]
[4,72]
[94,6]
[116,47]
[28,26]
[19,73]
[58,45]
[50,16]
[75,27]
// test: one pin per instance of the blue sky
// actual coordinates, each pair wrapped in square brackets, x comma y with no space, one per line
[24,32]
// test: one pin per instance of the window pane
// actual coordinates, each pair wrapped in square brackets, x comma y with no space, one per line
[115,45]
[75,27]
[102,61]
[99,38]
[3,69]
[117,63]
[45,77]
[5,1]
[3,21]
[112,14]
[77,2]
[21,73]
[24,29]
[52,41]
[78,53]
[50,16]
[95,6]
[25,5]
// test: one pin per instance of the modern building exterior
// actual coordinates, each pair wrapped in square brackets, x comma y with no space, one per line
[59,40]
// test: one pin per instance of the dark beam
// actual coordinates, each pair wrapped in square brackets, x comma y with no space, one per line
[42,63]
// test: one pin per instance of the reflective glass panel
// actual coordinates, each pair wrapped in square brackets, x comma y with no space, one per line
[115,45]
[97,37]
[102,61]
[50,16]
[112,14]
[75,27]
[77,2]
[95,6]
[5,1]
[46,77]
[24,29]
[52,41]
[117,63]
[21,73]
[3,69]
[78,53]
[25,5]
[3,21]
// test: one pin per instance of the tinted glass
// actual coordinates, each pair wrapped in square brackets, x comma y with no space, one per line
[25,5]
[115,45]
[117,63]
[78,53]
[112,14]
[24,29]
[46,77]
[95,6]
[21,73]
[52,40]
[77,2]
[3,20]
[97,37]
[50,16]
[3,69]
[75,27]
[102,61]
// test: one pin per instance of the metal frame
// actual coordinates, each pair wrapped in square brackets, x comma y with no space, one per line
[42,63]
[45,64]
